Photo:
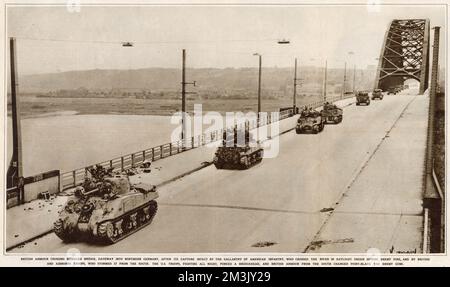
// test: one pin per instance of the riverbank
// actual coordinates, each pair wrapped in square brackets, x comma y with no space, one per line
[32,106]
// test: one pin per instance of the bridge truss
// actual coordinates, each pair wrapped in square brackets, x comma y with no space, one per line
[405,54]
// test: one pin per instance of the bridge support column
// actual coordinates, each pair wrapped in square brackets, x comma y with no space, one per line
[433,199]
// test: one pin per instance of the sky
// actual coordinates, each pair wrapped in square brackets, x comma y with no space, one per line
[213,36]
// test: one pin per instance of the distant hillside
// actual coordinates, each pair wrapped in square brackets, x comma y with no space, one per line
[160,79]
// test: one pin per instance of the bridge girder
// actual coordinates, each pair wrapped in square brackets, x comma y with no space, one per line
[404,54]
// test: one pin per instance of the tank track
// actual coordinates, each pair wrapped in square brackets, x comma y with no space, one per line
[337,121]
[61,232]
[311,131]
[111,231]
[254,159]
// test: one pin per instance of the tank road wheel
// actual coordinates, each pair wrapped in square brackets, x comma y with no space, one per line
[133,220]
[63,234]
[129,224]
[106,232]
[246,164]
[144,215]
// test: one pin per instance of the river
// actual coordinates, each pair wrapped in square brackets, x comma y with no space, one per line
[68,142]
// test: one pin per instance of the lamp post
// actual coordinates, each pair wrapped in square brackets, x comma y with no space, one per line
[295,88]
[325,84]
[259,86]
[183,98]
[345,80]
[15,169]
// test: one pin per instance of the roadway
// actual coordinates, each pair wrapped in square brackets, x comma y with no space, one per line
[292,203]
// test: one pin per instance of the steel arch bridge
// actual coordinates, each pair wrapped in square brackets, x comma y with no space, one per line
[405,54]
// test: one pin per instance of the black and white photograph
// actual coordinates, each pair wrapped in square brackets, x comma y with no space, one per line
[224,134]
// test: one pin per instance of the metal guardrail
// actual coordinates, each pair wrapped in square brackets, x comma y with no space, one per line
[427,218]
[75,177]
[442,211]
[426,231]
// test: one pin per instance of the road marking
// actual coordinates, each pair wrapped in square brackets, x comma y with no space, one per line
[284,210]
[238,207]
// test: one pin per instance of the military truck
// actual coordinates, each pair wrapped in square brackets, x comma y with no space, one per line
[310,121]
[362,98]
[238,150]
[106,208]
[377,94]
[331,113]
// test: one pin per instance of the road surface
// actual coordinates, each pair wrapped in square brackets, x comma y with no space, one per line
[292,203]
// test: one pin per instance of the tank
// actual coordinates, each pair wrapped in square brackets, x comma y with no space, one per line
[394,90]
[310,121]
[362,98]
[377,94]
[106,209]
[232,155]
[331,113]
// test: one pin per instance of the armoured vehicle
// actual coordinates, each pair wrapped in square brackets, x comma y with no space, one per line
[235,155]
[362,98]
[377,94]
[106,208]
[394,90]
[310,121]
[331,113]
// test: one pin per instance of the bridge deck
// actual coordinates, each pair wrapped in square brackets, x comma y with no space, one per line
[378,151]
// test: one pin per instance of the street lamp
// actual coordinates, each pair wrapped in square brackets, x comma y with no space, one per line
[325,83]
[345,79]
[15,169]
[259,85]
[295,88]
[351,53]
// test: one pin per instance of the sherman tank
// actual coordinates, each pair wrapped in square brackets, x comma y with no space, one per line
[331,114]
[106,209]
[310,121]
[235,155]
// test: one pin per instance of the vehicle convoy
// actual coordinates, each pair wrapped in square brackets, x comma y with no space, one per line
[310,121]
[106,208]
[331,113]
[237,150]
[377,94]
[362,98]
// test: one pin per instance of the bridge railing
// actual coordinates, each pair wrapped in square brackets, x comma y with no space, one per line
[76,177]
